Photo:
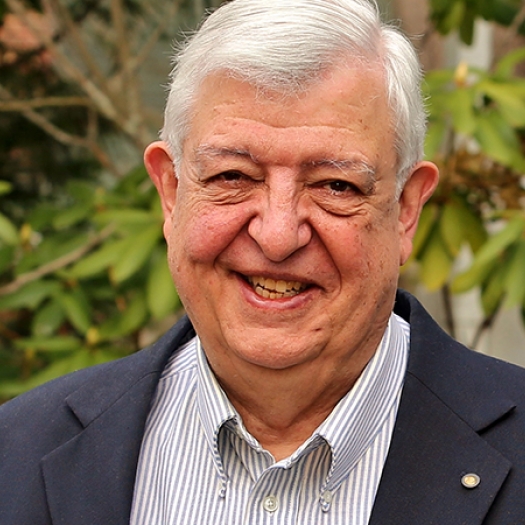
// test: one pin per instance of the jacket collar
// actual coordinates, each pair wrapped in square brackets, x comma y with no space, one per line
[89,480]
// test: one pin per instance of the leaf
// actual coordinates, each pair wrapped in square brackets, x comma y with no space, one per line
[474,276]
[460,103]
[7,254]
[499,141]
[52,248]
[435,138]
[41,216]
[73,215]
[436,263]
[30,295]
[505,67]
[466,29]
[126,323]
[49,344]
[99,260]
[161,295]
[495,245]
[441,5]
[452,18]
[8,231]
[134,315]
[501,11]
[47,319]
[492,292]
[135,253]
[76,309]
[510,99]
[473,227]
[126,217]
[451,228]
[80,359]
[436,80]
[514,283]
[459,224]
[82,191]
[426,221]
[5,187]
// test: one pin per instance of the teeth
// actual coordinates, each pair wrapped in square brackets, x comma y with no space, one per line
[272,289]
[280,286]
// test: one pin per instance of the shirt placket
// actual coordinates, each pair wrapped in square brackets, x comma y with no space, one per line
[275,498]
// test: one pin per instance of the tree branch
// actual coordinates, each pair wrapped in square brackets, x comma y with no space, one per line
[518,19]
[449,313]
[483,327]
[62,136]
[144,52]
[513,28]
[43,123]
[68,69]
[72,29]
[25,56]
[57,264]
[43,102]
[130,82]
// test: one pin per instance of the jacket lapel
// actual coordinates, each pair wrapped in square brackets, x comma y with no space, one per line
[89,479]
[447,402]
[431,450]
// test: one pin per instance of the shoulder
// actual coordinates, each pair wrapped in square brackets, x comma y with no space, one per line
[44,416]
[87,412]
[448,366]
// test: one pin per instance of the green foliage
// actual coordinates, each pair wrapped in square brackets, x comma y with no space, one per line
[476,123]
[460,15]
[84,281]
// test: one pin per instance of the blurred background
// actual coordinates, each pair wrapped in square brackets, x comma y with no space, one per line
[83,272]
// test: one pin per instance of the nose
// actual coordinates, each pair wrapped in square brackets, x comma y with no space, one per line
[279,227]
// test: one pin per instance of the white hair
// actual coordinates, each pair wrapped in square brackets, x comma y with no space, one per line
[287,45]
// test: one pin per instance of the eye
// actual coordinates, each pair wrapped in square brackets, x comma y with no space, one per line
[340,186]
[230,176]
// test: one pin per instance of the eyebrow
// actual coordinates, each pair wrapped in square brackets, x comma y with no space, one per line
[208,151]
[359,166]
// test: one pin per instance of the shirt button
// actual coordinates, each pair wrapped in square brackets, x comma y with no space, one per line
[270,503]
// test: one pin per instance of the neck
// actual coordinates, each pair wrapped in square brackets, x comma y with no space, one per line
[282,408]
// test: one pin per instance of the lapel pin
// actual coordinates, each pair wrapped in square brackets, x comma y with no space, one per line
[470,481]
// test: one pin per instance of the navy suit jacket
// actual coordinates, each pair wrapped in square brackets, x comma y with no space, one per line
[69,449]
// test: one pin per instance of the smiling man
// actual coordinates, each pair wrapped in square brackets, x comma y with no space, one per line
[302,388]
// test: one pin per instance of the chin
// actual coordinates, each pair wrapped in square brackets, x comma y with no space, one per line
[277,355]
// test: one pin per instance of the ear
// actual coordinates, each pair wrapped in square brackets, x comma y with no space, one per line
[159,164]
[417,190]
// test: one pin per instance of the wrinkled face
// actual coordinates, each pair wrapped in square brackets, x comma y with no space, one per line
[284,234]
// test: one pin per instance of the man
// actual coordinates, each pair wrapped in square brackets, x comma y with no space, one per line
[304,391]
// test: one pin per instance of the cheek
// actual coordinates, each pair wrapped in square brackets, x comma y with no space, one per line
[201,232]
[370,251]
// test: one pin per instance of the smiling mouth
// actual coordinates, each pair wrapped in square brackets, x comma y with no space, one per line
[275,289]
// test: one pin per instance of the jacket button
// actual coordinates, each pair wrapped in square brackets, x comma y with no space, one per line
[470,481]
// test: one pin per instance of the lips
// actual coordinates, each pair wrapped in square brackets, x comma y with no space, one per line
[276,289]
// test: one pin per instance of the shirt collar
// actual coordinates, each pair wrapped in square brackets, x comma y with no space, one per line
[349,429]
[214,409]
[358,418]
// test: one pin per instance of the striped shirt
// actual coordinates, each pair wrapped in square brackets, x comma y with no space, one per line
[199,465]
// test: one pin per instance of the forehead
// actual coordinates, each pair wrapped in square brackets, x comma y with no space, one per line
[345,114]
